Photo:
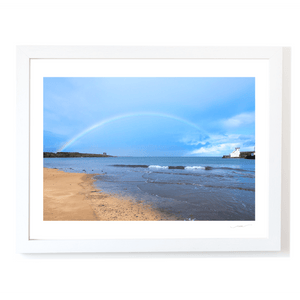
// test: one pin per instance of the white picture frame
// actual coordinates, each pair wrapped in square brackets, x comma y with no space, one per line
[25,244]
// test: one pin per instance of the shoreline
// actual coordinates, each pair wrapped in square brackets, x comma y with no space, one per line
[73,197]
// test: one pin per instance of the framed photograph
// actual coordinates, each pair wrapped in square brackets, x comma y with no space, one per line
[149,149]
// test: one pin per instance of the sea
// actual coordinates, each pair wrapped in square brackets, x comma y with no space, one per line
[191,188]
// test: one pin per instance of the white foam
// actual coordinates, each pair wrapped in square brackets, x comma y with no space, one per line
[194,168]
[158,167]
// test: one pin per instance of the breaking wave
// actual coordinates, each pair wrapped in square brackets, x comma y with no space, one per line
[158,167]
[165,167]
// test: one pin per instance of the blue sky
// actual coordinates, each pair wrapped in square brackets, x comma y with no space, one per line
[154,116]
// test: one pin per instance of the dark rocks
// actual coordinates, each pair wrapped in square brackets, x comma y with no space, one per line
[73,154]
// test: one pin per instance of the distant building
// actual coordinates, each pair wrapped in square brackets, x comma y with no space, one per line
[104,153]
[241,154]
[235,153]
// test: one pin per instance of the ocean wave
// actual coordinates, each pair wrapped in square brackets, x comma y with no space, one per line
[158,167]
[131,166]
[194,168]
[188,168]
[201,185]
[165,167]
[235,169]
[177,167]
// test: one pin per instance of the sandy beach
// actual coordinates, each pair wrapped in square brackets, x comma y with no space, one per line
[73,197]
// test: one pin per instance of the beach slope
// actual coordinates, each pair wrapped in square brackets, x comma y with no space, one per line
[73,197]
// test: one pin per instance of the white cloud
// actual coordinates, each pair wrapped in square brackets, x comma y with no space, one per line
[240,120]
[216,149]
[192,142]
[195,139]
[216,144]
[225,144]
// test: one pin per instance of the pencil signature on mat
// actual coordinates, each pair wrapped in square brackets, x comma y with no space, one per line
[240,226]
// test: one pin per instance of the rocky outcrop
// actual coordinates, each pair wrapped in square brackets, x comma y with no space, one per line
[243,154]
[246,153]
[73,154]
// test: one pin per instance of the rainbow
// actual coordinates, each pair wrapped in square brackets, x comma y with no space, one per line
[119,117]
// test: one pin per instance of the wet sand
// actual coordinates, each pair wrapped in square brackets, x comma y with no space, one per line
[73,197]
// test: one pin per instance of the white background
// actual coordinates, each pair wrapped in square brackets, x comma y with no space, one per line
[201,23]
